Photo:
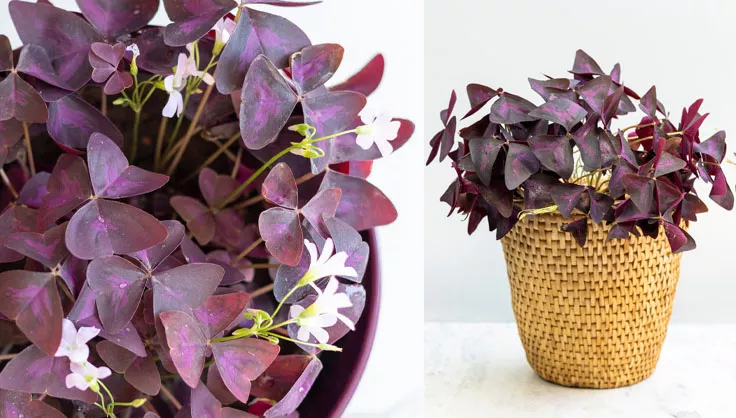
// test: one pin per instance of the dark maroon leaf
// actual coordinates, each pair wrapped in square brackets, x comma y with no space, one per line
[242,360]
[329,114]
[220,311]
[34,191]
[314,65]
[641,190]
[578,229]
[667,164]
[498,196]
[64,38]
[566,196]
[257,33]
[627,211]
[521,163]
[199,219]
[668,195]
[324,203]
[588,141]
[116,357]
[554,88]
[555,153]
[192,19]
[585,65]
[622,231]
[288,276]
[483,152]
[509,109]
[113,18]
[15,404]
[362,205]
[715,146]
[156,57]
[366,80]
[294,397]
[478,95]
[561,111]
[595,92]
[267,103]
[187,344]
[32,371]
[611,105]
[279,187]
[111,175]
[185,287]
[6,54]
[106,227]
[143,374]
[600,205]
[21,101]
[15,219]
[281,230]
[721,192]
[648,102]
[615,184]
[32,300]
[67,188]
[215,188]
[448,138]
[119,286]
[151,257]
[73,272]
[447,113]
[348,240]
[72,121]
[47,248]
[679,240]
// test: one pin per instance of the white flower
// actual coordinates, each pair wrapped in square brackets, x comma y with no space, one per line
[134,49]
[85,375]
[224,28]
[74,343]
[322,313]
[326,264]
[379,129]
[186,67]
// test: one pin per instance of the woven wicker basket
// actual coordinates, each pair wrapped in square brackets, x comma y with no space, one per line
[590,317]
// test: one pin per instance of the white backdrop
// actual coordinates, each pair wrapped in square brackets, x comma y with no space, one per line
[685,48]
[391,386]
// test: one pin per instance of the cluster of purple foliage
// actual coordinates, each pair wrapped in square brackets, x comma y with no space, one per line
[81,241]
[521,158]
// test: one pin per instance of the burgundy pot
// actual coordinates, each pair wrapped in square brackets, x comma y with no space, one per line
[337,382]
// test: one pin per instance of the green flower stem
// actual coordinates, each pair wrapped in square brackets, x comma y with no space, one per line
[284,299]
[246,251]
[136,128]
[8,184]
[179,120]
[320,346]
[190,131]
[298,145]
[159,143]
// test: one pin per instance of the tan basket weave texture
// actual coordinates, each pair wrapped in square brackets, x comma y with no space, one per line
[591,317]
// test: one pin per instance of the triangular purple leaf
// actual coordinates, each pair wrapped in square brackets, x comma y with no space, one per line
[585,65]
[510,109]
[220,311]
[192,19]
[106,227]
[267,103]
[366,80]
[199,219]
[242,360]
[21,101]
[578,229]
[561,111]
[324,203]
[47,248]
[715,146]
[483,152]
[187,344]
[478,95]
[279,187]
[314,65]
[151,257]
[362,205]
[119,285]
[641,190]
[679,240]
[72,121]
[114,18]
[257,33]
[521,163]
[555,153]
[187,286]
[282,231]
[291,401]
[566,196]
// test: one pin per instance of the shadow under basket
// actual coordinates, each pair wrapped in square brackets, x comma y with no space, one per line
[592,317]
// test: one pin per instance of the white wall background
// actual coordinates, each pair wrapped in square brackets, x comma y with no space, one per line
[685,48]
[364,29]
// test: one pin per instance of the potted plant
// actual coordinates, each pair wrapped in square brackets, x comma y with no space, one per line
[186,221]
[592,216]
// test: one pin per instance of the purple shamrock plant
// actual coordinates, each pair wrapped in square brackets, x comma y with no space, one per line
[127,284]
[566,156]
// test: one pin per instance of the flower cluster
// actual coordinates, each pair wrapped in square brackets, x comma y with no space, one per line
[164,196]
[74,346]
[566,156]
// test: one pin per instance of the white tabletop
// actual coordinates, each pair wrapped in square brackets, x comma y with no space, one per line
[479,370]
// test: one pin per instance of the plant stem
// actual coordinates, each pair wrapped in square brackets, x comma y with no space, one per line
[246,251]
[236,165]
[168,395]
[261,291]
[190,131]
[214,155]
[4,357]
[261,266]
[175,149]
[284,299]
[160,143]
[136,128]
[179,120]
[281,337]
[7,182]
[27,136]
[103,101]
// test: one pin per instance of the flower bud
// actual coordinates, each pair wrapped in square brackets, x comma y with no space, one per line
[138,402]
[364,130]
